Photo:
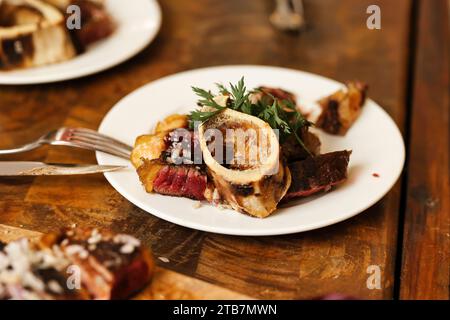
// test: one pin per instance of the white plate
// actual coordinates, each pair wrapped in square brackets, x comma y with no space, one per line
[376,142]
[138,23]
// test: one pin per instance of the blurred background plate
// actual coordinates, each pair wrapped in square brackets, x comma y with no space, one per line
[376,142]
[138,23]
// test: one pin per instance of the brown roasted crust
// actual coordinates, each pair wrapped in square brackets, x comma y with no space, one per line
[148,172]
[113,266]
[341,109]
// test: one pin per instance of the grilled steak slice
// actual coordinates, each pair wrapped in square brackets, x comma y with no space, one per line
[318,174]
[187,181]
[341,109]
[113,266]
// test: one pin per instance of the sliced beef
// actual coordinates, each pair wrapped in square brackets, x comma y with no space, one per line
[181,181]
[188,181]
[318,174]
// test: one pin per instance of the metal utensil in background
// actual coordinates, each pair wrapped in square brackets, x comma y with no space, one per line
[25,168]
[288,15]
[79,138]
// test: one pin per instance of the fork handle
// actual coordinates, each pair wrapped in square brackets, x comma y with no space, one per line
[24,148]
[115,151]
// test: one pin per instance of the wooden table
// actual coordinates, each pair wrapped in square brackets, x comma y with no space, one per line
[406,64]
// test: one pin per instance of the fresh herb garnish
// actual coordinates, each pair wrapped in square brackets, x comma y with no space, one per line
[281,115]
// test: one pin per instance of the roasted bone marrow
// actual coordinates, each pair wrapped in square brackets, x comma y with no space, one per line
[251,185]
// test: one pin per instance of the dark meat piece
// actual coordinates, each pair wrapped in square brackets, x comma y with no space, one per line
[113,266]
[341,109]
[318,174]
[181,181]
[96,24]
[293,151]
[2,245]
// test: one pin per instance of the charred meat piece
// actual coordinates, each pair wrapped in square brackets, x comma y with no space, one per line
[113,266]
[341,109]
[187,181]
[318,174]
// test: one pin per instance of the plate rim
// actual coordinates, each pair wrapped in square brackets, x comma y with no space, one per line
[248,233]
[94,69]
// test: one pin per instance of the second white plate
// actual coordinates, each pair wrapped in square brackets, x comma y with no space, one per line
[138,23]
[376,142]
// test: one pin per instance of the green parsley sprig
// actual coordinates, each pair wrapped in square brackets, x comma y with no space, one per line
[282,115]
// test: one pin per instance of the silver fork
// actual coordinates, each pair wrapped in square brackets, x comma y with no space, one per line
[79,138]
[288,15]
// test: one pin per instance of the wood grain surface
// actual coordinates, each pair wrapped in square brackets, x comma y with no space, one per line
[426,249]
[203,33]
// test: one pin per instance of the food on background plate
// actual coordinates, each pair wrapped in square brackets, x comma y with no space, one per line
[202,157]
[34,32]
[109,266]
